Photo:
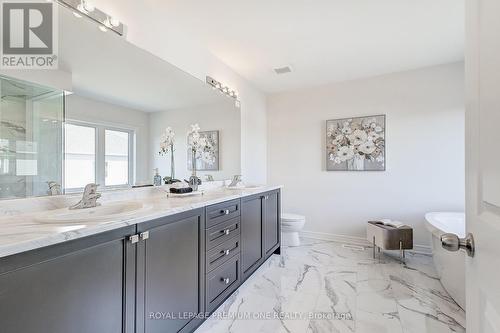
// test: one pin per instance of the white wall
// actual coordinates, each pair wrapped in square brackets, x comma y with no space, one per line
[154,26]
[223,117]
[425,150]
[89,110]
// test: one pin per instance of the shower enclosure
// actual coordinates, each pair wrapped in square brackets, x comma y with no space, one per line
[31,138]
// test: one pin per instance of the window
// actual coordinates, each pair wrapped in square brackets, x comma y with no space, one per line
[116,158]
[97,154]
[80,156]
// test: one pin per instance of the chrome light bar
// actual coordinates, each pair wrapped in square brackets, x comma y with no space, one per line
[86,8]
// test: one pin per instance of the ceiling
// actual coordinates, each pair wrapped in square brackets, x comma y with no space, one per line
[323,40]
[106,67]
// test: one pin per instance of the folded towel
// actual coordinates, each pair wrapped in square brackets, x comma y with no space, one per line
[391,223]
[181,190]
[179,185]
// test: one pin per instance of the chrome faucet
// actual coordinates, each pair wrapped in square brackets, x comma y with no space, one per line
[89,199]
[236,181]
[54,188]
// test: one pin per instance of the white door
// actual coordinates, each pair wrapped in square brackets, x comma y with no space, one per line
[483,164]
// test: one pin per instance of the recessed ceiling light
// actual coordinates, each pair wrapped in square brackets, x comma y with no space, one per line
[283,70]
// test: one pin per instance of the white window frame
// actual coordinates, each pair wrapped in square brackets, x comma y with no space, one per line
[100,153]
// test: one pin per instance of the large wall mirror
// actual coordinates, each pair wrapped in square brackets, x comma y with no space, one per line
[106,128]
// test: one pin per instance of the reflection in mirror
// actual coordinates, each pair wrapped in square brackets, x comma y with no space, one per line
[31,120]
[120,100]
[123,100]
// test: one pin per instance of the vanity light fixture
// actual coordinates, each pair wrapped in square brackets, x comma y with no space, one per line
[81,8]
[216,85]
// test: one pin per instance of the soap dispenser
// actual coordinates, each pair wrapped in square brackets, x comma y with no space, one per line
[157,178]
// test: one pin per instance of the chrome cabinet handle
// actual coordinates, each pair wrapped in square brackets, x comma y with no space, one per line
[227,212]
[453,243]
[134,239]
[226,252]
[226,231]
[226,280]
[144,235]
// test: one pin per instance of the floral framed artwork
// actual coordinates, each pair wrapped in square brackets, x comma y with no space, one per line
[207,155]
[356,144]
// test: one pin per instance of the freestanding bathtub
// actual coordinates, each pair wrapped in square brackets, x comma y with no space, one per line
[450,266]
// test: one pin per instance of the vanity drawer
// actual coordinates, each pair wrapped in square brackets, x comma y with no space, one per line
[222,232]
[222,212]
[222,253]
[221,282]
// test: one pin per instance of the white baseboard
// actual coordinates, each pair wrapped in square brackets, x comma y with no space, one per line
[420,249]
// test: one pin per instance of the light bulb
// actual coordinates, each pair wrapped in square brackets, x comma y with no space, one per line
[107,23]
[114,22]
[81,8]
[89,6]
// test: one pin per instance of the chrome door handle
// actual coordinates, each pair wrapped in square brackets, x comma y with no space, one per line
[227,212]
[226,231]
[226,280]
[453,243]
[226,252]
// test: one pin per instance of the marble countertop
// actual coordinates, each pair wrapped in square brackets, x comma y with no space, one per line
[22,231]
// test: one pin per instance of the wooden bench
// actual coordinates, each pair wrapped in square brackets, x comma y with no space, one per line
[387,237]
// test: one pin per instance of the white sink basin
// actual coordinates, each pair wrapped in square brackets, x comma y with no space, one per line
[104,213]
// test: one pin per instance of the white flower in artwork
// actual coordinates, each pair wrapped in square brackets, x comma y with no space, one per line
[337,160]
[345,153]
[338,139]
[346,130]
[378,129]
[380,158]
[372,136]
[367,147]
[358,137]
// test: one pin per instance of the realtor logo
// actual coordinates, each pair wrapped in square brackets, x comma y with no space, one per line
[29,39]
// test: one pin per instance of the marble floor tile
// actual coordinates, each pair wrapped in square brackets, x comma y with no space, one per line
[324,286]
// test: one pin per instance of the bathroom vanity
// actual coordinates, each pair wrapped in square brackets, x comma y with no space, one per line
[162,270]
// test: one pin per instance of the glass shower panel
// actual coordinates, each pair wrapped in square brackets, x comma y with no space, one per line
[31,140]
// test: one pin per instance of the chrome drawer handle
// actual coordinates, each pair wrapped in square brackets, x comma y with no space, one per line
[226,232]
[226,280]
[226,252]
[227,212]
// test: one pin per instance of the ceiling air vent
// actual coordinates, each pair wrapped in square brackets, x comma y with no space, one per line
[283,70]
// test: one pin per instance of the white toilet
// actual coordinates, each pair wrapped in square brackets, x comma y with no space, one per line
[291,224]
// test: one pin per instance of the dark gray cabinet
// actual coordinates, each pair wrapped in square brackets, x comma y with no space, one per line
[260,230]
[156,276]
[272,220]
[251,234]
[170,273]
[81,286]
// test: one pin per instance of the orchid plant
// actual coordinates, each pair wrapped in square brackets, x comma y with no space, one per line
[356,141]
[167,141]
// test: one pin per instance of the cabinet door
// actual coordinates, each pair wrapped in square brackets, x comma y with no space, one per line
[251,234]
[271,222]
[170,291]
[81,286]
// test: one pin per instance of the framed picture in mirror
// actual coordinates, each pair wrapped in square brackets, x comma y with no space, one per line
[207,158]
